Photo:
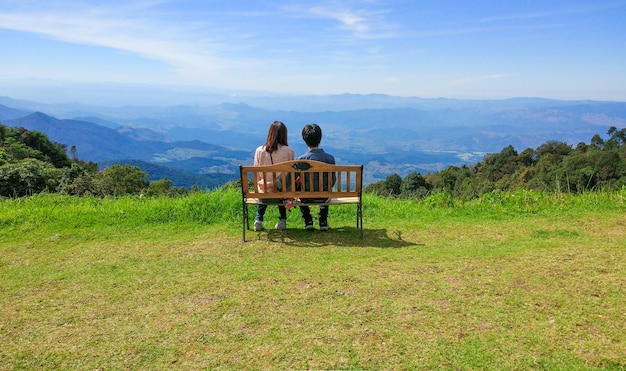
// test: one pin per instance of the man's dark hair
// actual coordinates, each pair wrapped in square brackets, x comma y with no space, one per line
[312,135]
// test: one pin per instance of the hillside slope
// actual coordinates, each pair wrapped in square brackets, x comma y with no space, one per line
[104,145]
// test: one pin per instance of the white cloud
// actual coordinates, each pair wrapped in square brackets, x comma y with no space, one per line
[199,47]
[360,23]
[109,28]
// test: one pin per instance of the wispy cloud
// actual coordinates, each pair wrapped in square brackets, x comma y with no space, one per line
[258,44]
[193,44]
[360,22]
[116,29]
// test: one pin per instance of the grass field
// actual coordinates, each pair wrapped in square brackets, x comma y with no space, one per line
[511,281]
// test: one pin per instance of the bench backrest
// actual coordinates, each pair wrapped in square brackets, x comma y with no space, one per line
[301,178]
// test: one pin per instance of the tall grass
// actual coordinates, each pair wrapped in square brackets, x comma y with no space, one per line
[51,212]
[519,204]
[224,207]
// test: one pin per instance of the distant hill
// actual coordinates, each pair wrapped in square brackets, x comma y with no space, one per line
[387,134]
[98,121]
[93,142]
[186,163]
[8,113]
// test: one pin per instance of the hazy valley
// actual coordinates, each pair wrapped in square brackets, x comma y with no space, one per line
[205,143]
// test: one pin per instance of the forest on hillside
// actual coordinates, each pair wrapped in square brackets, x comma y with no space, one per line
[553,166]
[31,163]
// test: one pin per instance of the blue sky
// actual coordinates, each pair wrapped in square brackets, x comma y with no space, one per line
[564,49]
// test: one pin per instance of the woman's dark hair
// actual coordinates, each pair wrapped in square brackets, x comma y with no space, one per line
[276,135]
[312,135]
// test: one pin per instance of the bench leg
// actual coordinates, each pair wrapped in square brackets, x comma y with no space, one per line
[244,223]
[359,219]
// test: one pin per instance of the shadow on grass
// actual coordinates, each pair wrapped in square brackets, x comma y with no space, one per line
[342,237]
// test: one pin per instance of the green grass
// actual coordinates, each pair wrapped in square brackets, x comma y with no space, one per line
[511,281]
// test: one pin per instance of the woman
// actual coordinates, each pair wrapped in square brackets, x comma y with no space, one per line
[274,150]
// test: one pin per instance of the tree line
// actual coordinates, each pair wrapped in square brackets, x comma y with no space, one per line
[553,166]
[30,163]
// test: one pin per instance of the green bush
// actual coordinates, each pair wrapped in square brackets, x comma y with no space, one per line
[27,177]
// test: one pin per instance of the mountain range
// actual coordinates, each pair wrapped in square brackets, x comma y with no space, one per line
[204,144]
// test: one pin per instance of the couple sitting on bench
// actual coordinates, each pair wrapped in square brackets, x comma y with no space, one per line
[276,150]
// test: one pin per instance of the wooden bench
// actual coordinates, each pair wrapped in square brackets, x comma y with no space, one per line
[303,182]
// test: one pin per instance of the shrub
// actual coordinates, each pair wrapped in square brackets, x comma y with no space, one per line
[27,177]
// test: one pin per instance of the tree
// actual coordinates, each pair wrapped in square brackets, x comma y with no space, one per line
[378,188]
[554,147]
[74,153]
[414,185]
[618,137]
[393,184]
[580,170]
[19,150]
[528,157]
[119,180]
[495,166]
[608,167]
[160,187]
[597,141]
[82,185]
[78,179]
[445,179]
[47,150]
[24,178]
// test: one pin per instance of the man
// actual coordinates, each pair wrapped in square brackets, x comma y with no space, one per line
[312,135]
